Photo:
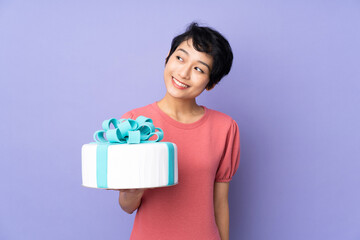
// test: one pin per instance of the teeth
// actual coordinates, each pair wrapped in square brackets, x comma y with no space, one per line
[180,84]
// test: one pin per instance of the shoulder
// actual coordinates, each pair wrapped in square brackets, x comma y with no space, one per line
[141,109]
[220,117]
[134,113]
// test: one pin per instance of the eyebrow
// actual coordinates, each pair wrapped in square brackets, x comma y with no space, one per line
[180,49]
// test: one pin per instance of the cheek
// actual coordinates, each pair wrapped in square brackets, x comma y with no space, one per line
[169,68]
[203,81]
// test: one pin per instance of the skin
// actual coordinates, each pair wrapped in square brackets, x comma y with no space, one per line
[221,208]
[193,69]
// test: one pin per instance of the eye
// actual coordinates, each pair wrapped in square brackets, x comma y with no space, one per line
[199,70]
[179,58]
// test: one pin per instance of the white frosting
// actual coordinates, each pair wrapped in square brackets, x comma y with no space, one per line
[130,165]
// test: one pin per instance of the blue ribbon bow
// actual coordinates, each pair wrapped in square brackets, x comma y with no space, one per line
[128,131]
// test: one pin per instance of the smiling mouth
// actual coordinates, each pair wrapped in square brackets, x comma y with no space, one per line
[180,84]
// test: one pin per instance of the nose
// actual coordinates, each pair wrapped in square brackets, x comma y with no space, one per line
[184,72]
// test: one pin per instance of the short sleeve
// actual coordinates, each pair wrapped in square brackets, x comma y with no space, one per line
[231,157]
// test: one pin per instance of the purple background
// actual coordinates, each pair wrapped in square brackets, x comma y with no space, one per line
[65,66]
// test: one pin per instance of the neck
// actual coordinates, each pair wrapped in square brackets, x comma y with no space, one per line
[176,106]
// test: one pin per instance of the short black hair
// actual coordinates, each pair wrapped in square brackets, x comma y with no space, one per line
[210,41]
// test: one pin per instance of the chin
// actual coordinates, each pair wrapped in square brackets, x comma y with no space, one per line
[176,95]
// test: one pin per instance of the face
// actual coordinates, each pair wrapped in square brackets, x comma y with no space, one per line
[187,71]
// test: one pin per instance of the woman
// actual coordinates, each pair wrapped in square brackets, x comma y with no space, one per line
[207,141]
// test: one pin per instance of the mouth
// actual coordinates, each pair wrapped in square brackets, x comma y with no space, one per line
[179,84]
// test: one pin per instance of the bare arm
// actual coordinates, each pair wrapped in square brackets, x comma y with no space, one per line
[221,208]
[130,199]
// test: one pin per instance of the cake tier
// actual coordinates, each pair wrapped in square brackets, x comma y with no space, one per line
[125,166]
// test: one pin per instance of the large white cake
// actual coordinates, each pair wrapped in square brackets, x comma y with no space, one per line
[125,166]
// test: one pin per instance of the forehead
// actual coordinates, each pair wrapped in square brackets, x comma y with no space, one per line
[197,55]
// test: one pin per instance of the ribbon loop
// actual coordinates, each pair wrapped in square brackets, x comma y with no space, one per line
[128,131]
[107,123]
[99,136]
[113,135]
